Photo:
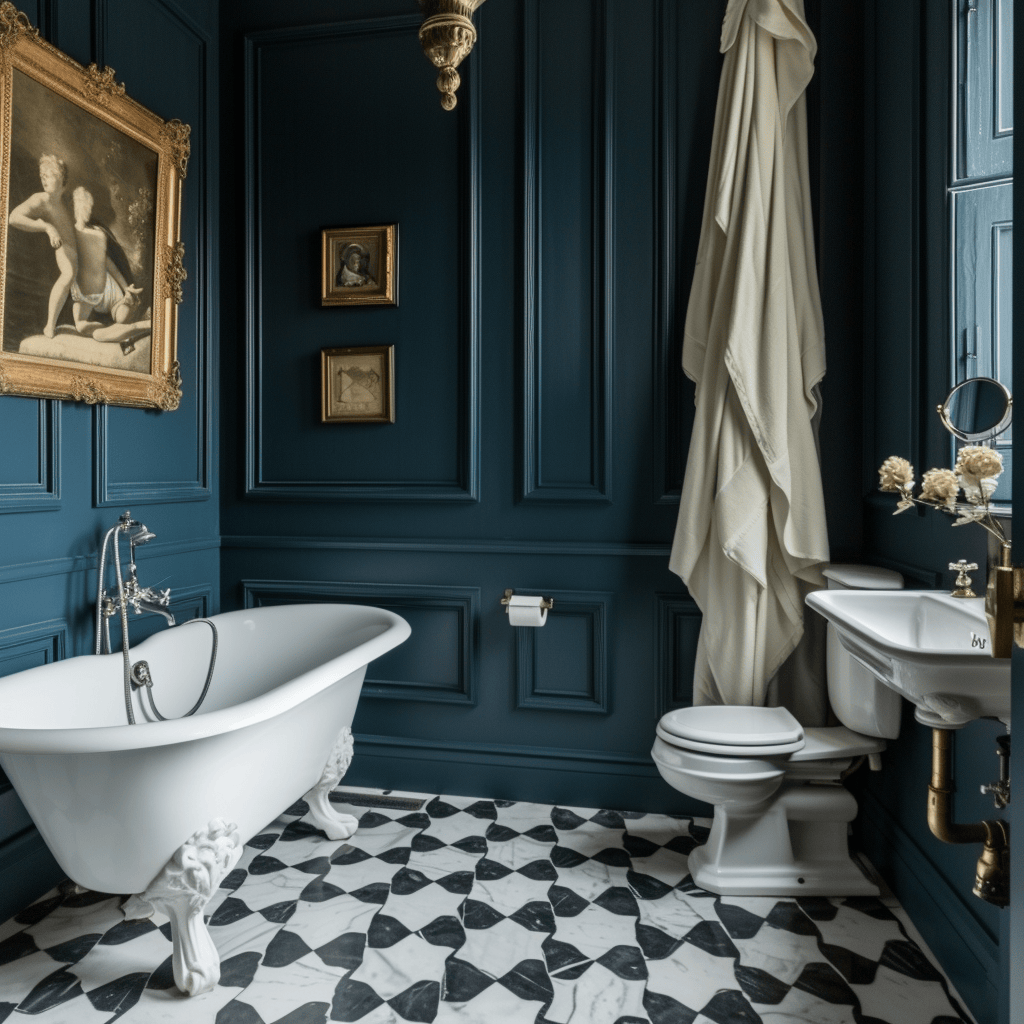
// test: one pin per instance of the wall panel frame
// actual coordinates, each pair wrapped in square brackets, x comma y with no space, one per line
[535,687]
[466,488]
[535,486]
[43,493]
[108,492]
[461,605]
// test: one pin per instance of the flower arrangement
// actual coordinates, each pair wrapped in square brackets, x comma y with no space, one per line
[976,473]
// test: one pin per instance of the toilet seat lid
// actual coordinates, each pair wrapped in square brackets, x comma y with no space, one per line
[733,725]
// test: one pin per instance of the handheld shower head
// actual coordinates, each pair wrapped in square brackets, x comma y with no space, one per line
[140,534]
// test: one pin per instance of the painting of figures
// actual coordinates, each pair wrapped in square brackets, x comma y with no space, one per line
[91,260]
[80,235]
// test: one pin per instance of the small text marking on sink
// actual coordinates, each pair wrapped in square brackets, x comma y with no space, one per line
[978,641]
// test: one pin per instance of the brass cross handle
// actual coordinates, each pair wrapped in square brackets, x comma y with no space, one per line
[963,581]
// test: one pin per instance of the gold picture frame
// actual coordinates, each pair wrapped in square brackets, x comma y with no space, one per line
[357,385]
[359,266]
[90,221]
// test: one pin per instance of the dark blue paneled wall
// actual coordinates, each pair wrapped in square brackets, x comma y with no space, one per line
[69,469]
[547,234]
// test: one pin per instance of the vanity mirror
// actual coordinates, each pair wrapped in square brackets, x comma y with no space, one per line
[977,409]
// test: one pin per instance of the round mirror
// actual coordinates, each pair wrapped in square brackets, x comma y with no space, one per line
[977,409]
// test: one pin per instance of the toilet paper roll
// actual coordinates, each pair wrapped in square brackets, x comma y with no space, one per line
[524,610]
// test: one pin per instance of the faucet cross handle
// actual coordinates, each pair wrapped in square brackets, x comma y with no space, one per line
[963,581]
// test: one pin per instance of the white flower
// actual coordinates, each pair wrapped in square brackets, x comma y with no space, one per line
[895,474]
[978,468]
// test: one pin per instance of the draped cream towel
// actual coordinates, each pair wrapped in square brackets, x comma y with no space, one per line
[751,536]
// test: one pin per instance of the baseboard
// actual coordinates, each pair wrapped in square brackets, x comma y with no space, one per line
[581,778]
[28,870]
[967,952]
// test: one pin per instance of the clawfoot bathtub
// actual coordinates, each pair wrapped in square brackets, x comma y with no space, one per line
[160,810]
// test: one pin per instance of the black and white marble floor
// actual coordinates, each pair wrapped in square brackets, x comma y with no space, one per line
[475,911]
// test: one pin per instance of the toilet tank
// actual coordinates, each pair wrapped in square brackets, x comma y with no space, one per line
[859,700]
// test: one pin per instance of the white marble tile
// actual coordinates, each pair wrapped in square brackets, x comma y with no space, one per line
[656,828]
[496,950]
[860,933]
[250,933]
[673,914]
[318,923]
[691,976]
[438,863]
[103,964]
[895,997]
[392,970]
[666,865]
[262,891]
[781,954]
[803,1008]
[276,991]
[383,1014]
[66,922]
[169,1006]
[592,878]
[508,894]
[350,877]
[456,827]
[18,978]
[597,997]
[492,1005]
[418,909]
[762,906]
[523,815]
[594,931]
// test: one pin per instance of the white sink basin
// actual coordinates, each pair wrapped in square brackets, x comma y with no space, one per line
[930,647]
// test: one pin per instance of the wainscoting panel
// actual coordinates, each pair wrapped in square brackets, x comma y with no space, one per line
[437,662]
[30,467]
[122,439]
[563,665]
[568,242]
[678,629]
[431,452]
[30,646]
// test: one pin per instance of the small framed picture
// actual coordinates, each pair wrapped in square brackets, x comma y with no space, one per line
[357,384]
[359,266]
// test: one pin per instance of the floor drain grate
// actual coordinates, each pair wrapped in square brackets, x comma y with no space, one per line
[395,803]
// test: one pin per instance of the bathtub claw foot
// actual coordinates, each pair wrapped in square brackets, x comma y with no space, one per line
[181,891]
[335,824]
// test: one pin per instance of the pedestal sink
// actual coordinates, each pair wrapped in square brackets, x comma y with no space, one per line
[932,648]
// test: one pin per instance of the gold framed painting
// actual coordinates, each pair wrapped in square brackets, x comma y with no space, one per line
[90,249]
[359,266]
[357,384]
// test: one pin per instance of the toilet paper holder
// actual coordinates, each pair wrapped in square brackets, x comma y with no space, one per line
[545,602]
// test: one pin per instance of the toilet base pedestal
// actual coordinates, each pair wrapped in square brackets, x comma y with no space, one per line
[796,845]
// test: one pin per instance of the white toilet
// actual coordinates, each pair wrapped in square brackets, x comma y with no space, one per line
[781,810]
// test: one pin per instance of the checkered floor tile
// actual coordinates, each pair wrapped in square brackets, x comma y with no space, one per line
[473,911]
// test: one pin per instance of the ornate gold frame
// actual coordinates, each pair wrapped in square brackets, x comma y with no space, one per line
[384,292]
[97,92]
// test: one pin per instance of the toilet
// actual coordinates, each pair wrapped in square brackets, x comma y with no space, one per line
[782,812]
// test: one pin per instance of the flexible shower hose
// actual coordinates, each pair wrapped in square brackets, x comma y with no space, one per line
[147,681]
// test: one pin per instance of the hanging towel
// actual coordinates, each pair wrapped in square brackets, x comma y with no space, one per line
[751,537]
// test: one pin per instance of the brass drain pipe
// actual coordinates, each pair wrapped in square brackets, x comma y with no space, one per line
[992,879]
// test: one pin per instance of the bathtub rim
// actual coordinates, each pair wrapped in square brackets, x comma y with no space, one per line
[101,739]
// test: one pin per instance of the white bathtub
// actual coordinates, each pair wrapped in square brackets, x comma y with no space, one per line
[115,801]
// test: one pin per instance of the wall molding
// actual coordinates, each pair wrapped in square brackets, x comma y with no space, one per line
[466,547]
[668,429]
[937,912]
[466,488]
[108,492]
[534,487]
[43,493]
[48,638]
[531,689]
[508,755]
[461,602]
[86,563]
[676,612]
[45,641]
